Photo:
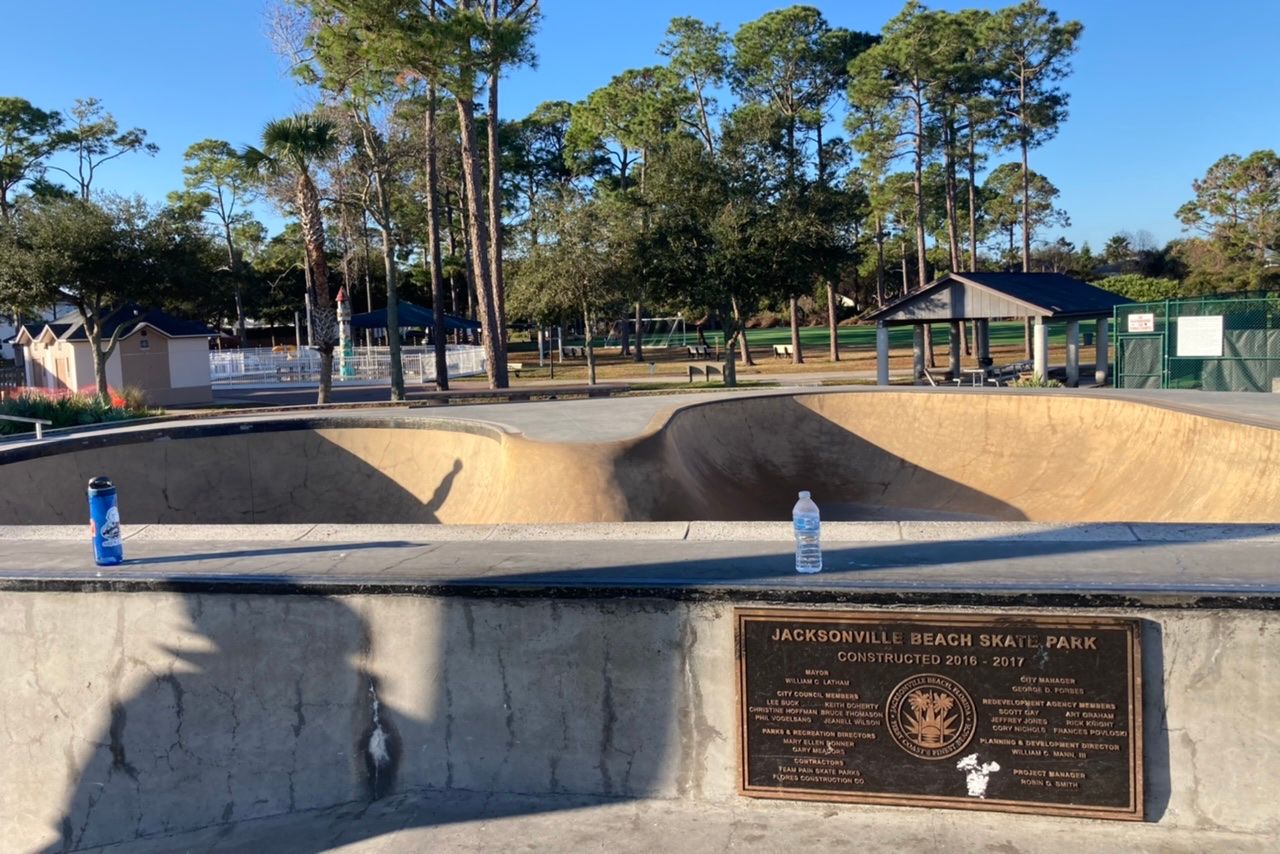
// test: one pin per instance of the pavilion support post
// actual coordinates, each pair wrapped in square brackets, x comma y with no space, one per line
[982,331]
[1040,350]
[953,364]
[882,354]
[1102,360]
[917,352]
[1073,353]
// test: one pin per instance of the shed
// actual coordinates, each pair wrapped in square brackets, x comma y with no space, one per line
[165,357]
[982,297]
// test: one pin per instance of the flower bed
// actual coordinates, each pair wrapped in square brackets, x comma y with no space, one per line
[66,408]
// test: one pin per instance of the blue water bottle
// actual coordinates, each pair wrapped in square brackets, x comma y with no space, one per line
[104,522]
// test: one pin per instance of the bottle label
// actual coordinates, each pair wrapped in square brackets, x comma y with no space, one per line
[111,528]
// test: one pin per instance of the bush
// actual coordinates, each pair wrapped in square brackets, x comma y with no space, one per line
[70,409]
[1036,382]
[1142,288]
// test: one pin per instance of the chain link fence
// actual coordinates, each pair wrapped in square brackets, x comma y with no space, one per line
[1212,343]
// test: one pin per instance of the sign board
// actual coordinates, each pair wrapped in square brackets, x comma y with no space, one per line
[1031,714]
[1142,323]
[1200,336]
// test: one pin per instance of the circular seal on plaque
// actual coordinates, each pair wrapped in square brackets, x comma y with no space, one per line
[930,716]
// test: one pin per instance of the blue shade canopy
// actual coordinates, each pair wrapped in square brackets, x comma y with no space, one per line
[410,315]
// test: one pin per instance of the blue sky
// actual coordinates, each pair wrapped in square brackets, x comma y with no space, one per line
[1160,89]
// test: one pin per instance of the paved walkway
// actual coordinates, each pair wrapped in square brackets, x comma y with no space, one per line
[474,823]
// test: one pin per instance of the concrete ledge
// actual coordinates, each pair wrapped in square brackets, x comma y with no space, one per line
[759,532]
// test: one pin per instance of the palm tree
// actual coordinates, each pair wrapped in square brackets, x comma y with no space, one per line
[292,146]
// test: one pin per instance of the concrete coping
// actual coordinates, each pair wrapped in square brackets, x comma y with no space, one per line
[770,532]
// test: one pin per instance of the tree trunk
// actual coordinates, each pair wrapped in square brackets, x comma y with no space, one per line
[949,170]
[906,284]
[879,261]
[496,282]
[973,202]
[237,283]
[638,355]
[624,336]
[591,352]
[433,247]
[1026,209]
[393,315]
[918,184]
[740,324]
[324,322]
[797,355]
[733,329]
[368,277]
[834,337]
[496,363]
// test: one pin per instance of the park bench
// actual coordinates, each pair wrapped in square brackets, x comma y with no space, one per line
[706,370]
[1006,374]
[699,351]
[940,379]
[575,352]
[780,350]
[517,367]
[39,422]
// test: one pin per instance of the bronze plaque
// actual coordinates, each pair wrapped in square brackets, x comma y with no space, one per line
[1033,714]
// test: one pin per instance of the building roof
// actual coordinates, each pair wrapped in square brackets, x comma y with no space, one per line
[964,296]
[409,315]
[129,319]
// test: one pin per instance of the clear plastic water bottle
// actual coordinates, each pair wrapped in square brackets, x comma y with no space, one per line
[808,528]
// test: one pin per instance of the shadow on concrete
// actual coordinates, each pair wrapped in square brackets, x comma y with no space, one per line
[284,703]
[274,473]
[274,551]
[730,460]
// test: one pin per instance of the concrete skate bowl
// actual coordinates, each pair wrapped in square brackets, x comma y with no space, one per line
[1050,457]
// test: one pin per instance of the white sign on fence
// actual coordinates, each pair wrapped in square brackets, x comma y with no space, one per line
[1200,336]
[1142,323]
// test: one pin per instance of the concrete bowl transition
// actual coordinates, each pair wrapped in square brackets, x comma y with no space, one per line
[864,457]
[331,627]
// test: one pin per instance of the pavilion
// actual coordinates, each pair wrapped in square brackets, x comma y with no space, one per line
[982,297]
[411,316]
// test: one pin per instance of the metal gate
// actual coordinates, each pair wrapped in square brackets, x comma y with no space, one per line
[1140,361]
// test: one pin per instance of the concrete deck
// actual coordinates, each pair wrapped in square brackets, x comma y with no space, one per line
[1181,566]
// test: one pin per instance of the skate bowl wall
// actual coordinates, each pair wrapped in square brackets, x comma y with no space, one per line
[1054,457]
[139,714]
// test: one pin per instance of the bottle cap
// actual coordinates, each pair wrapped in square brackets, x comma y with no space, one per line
[101,484]
[804,493]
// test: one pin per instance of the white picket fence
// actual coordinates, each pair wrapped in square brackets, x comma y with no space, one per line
[367,364]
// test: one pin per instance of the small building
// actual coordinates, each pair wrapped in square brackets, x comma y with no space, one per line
[983,297]
[9,329]
[165,357]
